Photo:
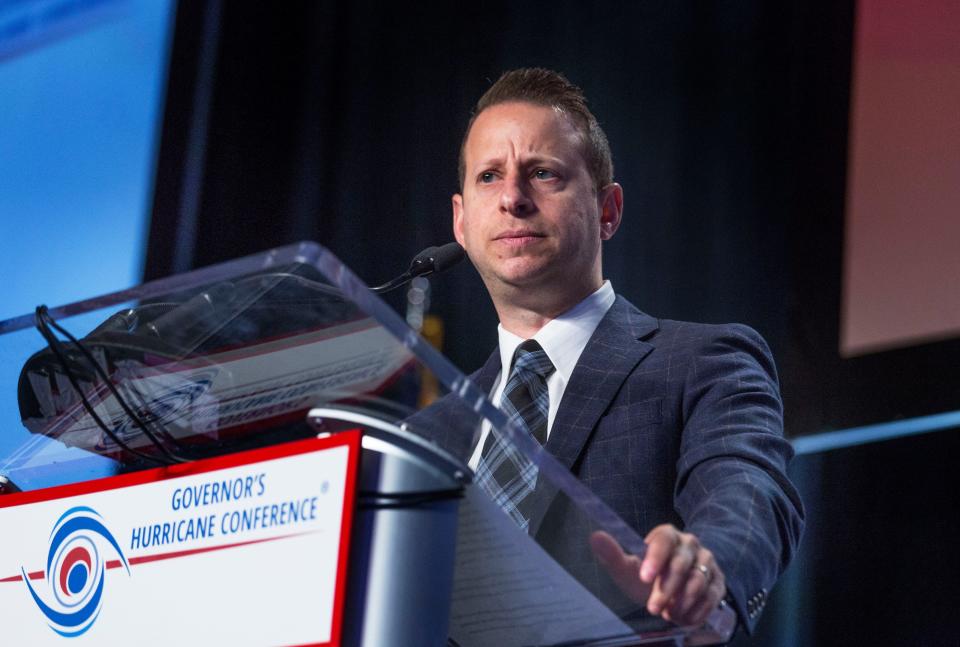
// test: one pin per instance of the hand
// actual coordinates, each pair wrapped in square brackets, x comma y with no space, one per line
[669,577]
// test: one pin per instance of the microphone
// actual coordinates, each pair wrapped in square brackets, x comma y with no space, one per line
[429,261]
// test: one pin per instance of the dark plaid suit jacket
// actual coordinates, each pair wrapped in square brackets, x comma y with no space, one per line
[669,422]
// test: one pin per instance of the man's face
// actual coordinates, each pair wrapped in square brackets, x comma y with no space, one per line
[530,216]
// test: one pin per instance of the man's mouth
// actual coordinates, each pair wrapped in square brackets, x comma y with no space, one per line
[518,237]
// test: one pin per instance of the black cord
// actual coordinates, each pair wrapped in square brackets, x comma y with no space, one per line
[101,373]
[55,347]
[45,314]
[43,323]
[383,501]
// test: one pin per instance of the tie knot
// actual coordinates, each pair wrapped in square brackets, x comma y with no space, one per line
[530,356]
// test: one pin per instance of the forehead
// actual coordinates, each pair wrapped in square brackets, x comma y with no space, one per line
[522,129]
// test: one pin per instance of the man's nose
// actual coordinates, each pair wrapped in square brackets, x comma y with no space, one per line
[515,198]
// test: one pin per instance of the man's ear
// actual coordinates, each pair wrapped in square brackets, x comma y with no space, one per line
[457,201]
[611,209]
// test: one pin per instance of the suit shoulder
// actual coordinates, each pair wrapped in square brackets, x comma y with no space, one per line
[734,343]
[690,338]
[696,334]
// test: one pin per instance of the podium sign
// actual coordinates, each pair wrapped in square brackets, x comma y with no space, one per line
[247,548]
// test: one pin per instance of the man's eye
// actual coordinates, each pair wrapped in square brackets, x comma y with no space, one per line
[487,177]
[544,174]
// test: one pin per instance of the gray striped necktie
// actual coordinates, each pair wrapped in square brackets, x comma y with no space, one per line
[504,473]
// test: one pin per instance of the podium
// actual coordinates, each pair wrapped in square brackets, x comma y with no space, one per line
[234,455]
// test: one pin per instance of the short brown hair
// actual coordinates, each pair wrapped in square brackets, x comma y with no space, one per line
[551,89]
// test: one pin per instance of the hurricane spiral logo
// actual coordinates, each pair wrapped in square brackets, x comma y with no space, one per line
[75,571]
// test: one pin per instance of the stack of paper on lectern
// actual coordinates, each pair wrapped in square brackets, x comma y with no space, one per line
[509,591]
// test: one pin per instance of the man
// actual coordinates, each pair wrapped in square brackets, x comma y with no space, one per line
[676,426]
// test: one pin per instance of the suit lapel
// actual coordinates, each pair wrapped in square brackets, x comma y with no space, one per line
[613,351]
[455,441]
[488,372]
[611,354]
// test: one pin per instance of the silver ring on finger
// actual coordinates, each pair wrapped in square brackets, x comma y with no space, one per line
[703,570]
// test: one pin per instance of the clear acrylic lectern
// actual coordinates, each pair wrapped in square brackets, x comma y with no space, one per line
[289,344]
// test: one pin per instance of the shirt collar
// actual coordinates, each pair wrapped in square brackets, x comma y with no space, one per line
[565,337]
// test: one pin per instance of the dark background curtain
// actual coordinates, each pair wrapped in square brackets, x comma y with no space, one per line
[341,122]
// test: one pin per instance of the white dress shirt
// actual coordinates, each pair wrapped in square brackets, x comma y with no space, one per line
[563,339]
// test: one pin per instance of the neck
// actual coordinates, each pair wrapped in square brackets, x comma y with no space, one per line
[526,317]
[523,323]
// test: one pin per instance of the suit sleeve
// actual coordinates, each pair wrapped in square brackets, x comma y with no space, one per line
[732,490]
